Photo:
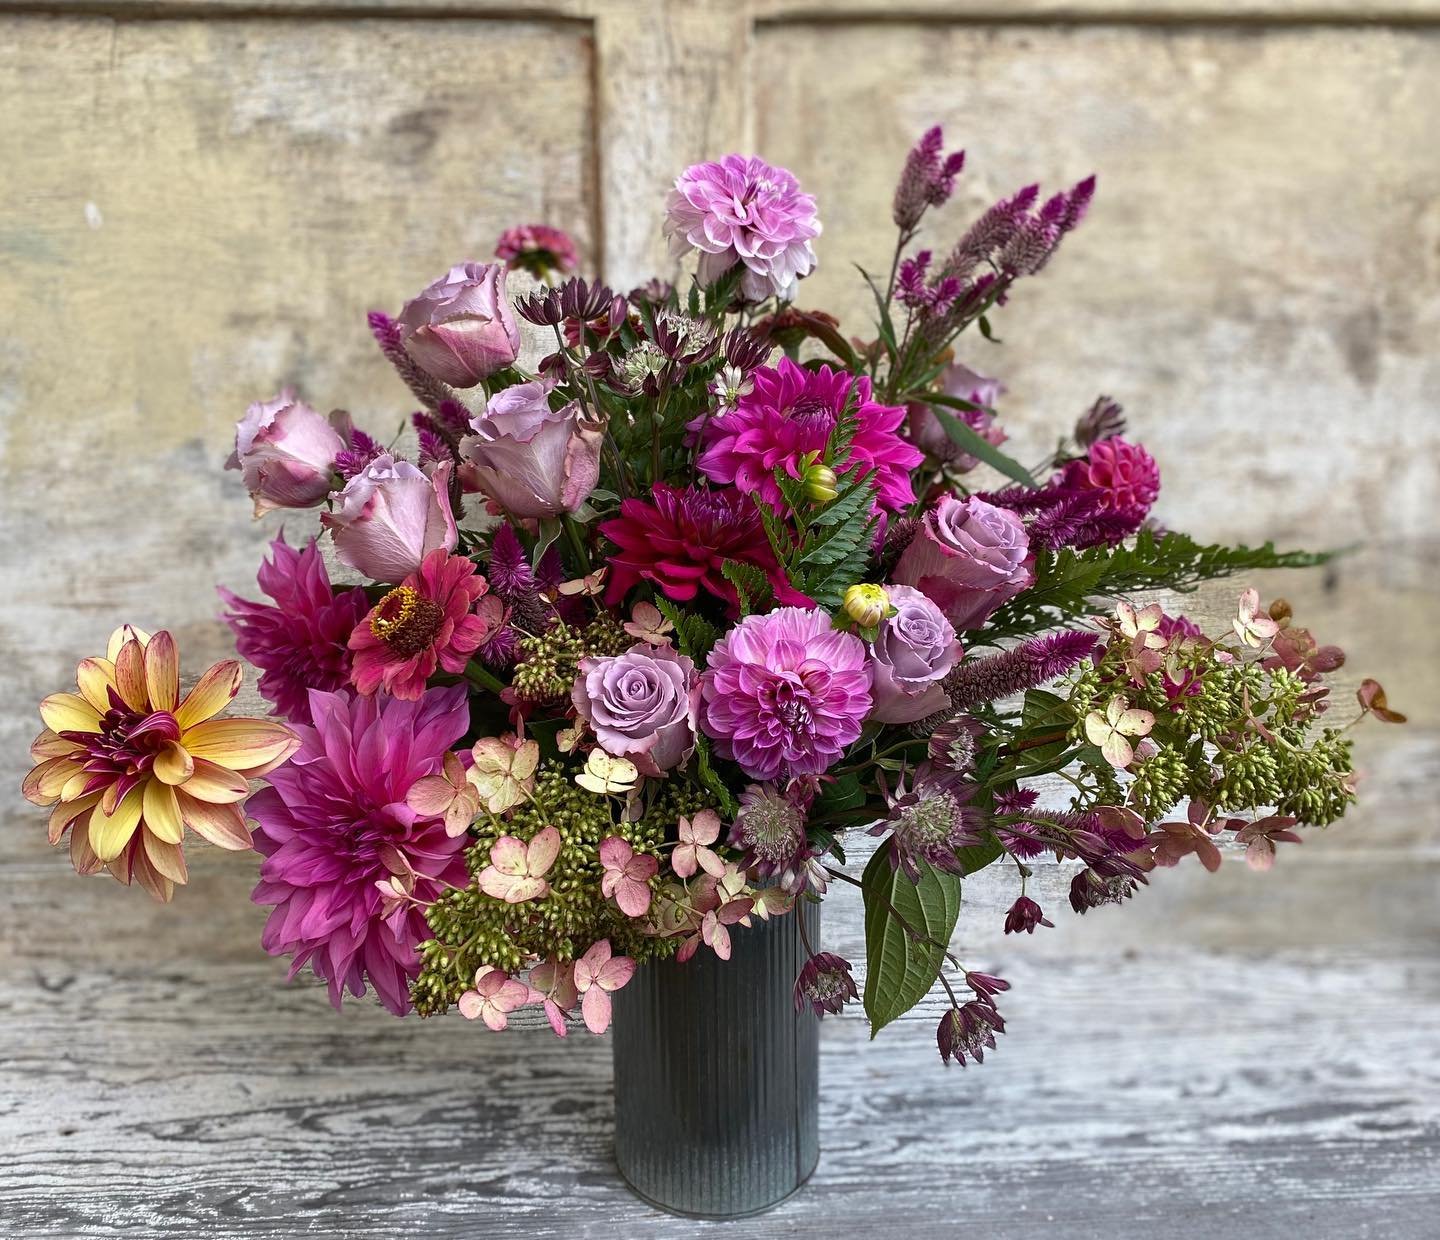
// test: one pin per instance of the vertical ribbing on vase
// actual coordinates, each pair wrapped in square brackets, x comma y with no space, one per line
[717,1076]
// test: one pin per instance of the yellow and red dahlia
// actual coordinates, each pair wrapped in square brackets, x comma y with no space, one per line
[128,764]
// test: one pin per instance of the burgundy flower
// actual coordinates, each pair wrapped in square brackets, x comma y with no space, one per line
[825,984]
[930,821]
[540,249]
[1024,915]
[680,540]
[1124,473]
[968,1030]
[298,644]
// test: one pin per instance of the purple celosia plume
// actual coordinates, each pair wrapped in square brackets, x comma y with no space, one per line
[334,822]
[927,179]
[428,390]
[1037,661]
[299,642]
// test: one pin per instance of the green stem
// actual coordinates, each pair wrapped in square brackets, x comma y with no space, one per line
[577,541]
[483,679]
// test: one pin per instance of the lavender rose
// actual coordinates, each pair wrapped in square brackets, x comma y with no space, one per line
[924,428]
[461,328]
[286,452]
[912,651]
[642,705]
[532,460]
[968,557]
[390,516]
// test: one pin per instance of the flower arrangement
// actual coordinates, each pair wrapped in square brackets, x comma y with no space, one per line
[651,619]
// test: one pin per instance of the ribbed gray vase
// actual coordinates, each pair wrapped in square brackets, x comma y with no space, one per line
[717,1077]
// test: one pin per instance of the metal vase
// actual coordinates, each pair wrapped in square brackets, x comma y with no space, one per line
[717,1077]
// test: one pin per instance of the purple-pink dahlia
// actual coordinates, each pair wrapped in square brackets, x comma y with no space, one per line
[743,210]
[334,823]
[785,693]
[788,415]
[298,644]
[1124,474]
[680,540]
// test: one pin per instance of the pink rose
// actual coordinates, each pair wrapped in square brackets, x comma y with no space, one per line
[641,705]
[912,652]
[968,557]
[924,428]
[532,460]
[286,452]
[390,517]
[461,328]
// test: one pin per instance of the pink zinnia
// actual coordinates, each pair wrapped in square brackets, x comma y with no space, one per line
[539,249]
[1123,472]
[785,693]
[334,823]
[789,414]
[430,621]
[743,210]
[300,643]
[680,540]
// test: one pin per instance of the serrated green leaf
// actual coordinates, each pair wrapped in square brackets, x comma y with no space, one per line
[900,971]
[710,778]
[751,584]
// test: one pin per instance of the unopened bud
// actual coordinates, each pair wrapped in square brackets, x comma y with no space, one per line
[821,485]
[867,605]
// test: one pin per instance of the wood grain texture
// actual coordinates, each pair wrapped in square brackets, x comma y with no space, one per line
[202,199]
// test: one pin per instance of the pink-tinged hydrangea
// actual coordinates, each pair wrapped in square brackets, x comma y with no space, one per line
[743,210]
[785,693]
[788,416]
[1124,474]
[433,622]
[298,644]
[334,824]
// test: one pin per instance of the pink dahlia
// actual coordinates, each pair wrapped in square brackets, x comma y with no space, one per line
[539,249]
[300,643]
[785,693]
[789,414]
[1123,472]
[437,618]
[742,210]
[680,541]
[334,823]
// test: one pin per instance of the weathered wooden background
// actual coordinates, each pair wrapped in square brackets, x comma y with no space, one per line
[200,200]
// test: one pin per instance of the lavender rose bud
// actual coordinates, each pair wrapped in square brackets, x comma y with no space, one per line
[924,428]
[286,452]
[642,705]
[461,328]
[390,516]
[913,650]
[968,557]
[532,460]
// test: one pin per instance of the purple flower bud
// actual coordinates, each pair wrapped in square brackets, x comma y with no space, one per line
[460,329]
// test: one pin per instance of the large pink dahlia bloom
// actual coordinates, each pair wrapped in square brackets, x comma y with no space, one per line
[785,693]
[742,210]
[334,822]
[790,413]
[299,643]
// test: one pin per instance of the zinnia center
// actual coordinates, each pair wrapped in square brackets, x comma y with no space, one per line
[406,621]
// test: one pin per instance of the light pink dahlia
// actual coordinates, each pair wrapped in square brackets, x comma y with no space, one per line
[743,210]
[300,643]
[790,413]
[436,619]
[334,823]
[785,693]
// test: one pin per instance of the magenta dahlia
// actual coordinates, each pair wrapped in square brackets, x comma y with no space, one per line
[1123,472]
[785,693]
[334,823]
[789,414]
[743,210]
[680,540]
[298,644]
